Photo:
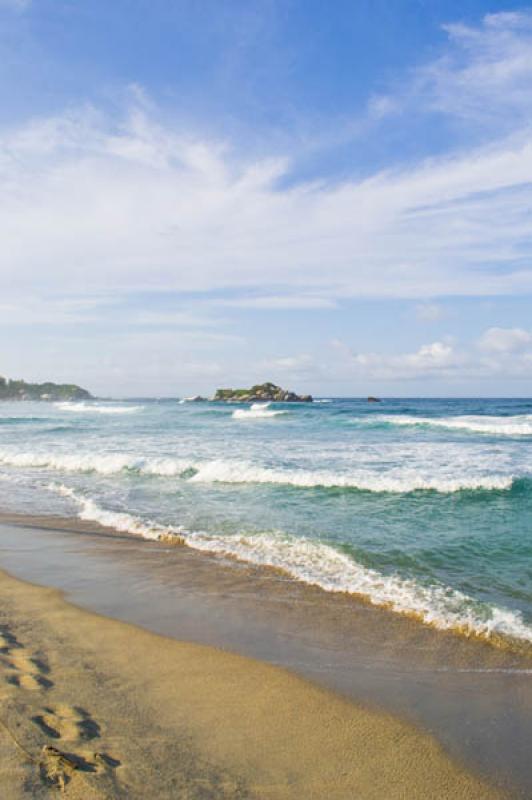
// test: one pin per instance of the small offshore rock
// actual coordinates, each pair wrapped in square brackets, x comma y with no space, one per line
[261,393]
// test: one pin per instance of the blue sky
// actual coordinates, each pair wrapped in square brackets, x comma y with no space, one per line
[336,197]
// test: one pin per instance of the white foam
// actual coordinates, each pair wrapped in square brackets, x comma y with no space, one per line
[256,411]
[102,463]
[396,480]
[97,408]
[118,520]
[518,425]
[319,564]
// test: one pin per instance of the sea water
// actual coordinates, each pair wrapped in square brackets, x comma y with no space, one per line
[422,506]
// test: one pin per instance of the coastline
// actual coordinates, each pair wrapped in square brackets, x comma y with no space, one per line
[471,696]
[136,712]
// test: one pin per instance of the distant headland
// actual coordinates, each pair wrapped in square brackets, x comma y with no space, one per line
[20,390]
[261,392]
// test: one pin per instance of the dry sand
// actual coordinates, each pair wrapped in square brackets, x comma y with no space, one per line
[96,708]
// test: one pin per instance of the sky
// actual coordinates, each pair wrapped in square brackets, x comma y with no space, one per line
[333,196]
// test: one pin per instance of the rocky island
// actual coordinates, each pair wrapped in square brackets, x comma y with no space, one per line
[261,393]
[20,390]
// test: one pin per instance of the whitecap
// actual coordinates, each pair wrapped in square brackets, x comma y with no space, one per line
[395,480]
[102,463]
[518,425]
[256,411]
[97,408]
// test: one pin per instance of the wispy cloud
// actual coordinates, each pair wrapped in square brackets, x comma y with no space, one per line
[136,205]
[102,205]
[123,203]
[488,71]
[482,77]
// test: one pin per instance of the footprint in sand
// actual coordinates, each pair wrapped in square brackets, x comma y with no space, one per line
[72,725]
[22,669]
[68,723]
[7,641]
[63,723]
[25,671]
[58,768]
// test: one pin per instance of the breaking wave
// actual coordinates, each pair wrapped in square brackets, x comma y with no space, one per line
[96,408]
[256,411]
[519,425]
[319,564]
[102,463]
[395,480]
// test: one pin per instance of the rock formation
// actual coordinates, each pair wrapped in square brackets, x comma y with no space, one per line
[263,392]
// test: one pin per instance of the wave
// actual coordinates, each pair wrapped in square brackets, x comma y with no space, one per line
[319,564]
[119,520]
[519,425]
[256,411]
[397,480]
[96,408]
[102,463]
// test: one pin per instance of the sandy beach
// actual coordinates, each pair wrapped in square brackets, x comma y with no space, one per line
[266,400]
[132,714]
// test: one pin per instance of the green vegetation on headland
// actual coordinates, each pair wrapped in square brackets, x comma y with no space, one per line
[20,390]
[262,392]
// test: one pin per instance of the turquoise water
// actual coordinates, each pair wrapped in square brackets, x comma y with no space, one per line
[421,505]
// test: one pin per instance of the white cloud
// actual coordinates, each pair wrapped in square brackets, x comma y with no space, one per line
[91,203]
[489,70]
[434,359]
[95,208]
[87,205]
[504,354]
[505,340]
[482,78]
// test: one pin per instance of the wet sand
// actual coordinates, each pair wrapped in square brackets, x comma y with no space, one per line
[475,699]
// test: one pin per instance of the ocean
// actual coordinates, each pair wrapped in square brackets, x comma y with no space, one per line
[420,506]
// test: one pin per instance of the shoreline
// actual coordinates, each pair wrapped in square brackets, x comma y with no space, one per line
[199,720]
[471,696]
[120,525]
[78,525]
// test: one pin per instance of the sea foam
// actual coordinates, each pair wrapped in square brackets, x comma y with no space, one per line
[257,411]
[394,480]
[397,480]
[319,564]
[518,425]
[96,408]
